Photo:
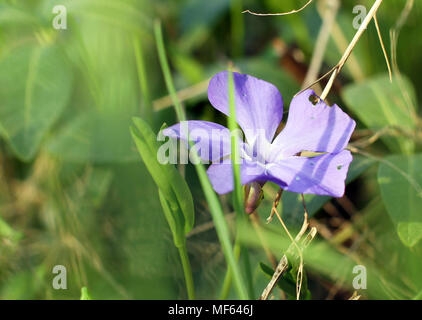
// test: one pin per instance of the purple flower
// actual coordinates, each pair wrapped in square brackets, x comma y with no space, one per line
[315,128]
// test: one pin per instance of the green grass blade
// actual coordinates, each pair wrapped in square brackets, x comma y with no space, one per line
[238,196]
[212,199]
[181,115]
[142,76]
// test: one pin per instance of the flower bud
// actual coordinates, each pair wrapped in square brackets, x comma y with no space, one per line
[253,196]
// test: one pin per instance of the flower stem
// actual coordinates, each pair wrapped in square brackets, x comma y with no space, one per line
[237,28]
[238,195]
[227,283]
[187,272]
[181,115]
[212,199]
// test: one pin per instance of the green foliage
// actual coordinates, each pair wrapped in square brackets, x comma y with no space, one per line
[97,136]
[33,95]
[379,104]
[400,181]
[73,191]
[173,187]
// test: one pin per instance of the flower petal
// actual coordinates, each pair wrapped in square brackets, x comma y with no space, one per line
[212,141]
[259,105]
[317,128]
[221,175]
[322,175]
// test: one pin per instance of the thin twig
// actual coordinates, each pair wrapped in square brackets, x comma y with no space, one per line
[337,68]
[351,46]
[383,48]
[299,251]
[355,296]
[394,36]
[278,14]
[395,32]
[275,204]
[328,14]
[269,219]
[183,95]
[284,264]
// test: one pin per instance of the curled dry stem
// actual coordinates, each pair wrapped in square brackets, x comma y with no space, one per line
[283,264]
[278,14]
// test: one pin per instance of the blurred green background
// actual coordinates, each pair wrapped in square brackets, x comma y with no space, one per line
[74,191]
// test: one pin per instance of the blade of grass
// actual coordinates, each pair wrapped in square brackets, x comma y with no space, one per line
[232,124]
[237,27]
[212,199]
[238,195]
[183,253]
[180,112]
[188,271]
[142,76]
[85,294]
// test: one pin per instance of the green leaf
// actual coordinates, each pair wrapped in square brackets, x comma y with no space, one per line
[35,85]
[410,232]
[379,103]
[175,224]
[171,184]
[400,181]
[214,205]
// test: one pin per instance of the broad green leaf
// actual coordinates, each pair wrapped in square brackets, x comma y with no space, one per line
[400,181]
[106,96]
[379,104]
[171,184]
[35,85]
